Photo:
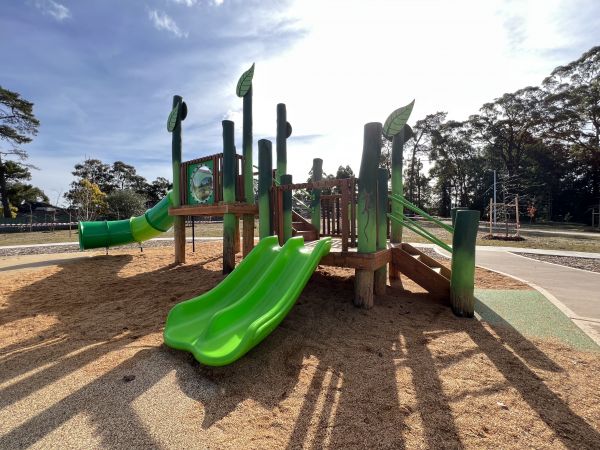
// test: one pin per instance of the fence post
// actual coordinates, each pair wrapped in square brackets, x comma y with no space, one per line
[265,181]
[229,220]
[382,207]
[462,283]
[367,211]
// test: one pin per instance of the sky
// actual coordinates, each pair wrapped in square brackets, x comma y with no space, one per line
[102,74]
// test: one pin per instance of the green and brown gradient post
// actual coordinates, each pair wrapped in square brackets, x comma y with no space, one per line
[178,113]
[315,204]
[244,90]
[287,208]
[462,283]
[265,182]
[367,211]
[382,211]
[281,141]
[229,220]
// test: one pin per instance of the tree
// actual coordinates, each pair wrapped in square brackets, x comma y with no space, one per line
[18,125]
[88,200]
[94,171]
[344,172]
[20,193]
[156,190]
[123,204]
[572,115]
[124,176]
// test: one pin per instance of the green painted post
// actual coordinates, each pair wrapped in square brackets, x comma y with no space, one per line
[287,208]
[453,212]
[265,181]
[367,211]
[315,205]
[382,210]
[398,142]
[229,220]
[178,113]
[247,147]
[281,141]
[462,283]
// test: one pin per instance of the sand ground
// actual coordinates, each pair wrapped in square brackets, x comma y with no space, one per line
[82,365]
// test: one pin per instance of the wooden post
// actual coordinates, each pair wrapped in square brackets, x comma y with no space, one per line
[229,220]
[382,209]
[345,186]
[462,283]
[367,211]
[398,141]
[265,181]
[287,208]
[491,229]
[353,212]
[517,213]
[281,141]
[176,145]
[453,213]
[315,205]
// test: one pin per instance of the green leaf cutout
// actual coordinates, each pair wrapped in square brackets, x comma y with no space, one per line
[245,82]
[172,120]
[396,120]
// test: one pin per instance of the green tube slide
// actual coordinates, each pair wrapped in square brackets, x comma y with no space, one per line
[109,233]
[223,324]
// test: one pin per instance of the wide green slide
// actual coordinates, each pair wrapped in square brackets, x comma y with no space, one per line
[108,233]
[223,324]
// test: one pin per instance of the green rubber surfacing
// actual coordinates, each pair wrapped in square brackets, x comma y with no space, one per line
[223,324]
[530,314]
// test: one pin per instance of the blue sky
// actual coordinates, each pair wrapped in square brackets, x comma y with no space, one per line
[102,74]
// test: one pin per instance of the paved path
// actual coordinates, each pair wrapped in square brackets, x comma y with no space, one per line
[577,291]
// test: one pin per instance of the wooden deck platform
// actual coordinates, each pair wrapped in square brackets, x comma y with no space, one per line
[352,259]
[238,209]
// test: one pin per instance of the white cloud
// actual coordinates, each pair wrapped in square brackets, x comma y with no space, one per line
[162,21]
[218,2]
[188,3]
[50,7]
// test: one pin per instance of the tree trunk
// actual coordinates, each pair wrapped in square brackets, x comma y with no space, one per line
[5,205]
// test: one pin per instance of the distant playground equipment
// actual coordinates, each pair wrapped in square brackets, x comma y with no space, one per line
[504,221]
[348,227]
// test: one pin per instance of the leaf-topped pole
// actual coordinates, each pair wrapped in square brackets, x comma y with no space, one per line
[244,90]
[245,82]
[396,120]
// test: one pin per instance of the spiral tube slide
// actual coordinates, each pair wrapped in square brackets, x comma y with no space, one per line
[109,233]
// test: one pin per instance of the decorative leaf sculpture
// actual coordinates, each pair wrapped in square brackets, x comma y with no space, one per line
[396,120]
[288,130]
[172,120]
[245,82]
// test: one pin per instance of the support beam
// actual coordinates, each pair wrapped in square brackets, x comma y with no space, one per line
[398,142]
[382,210]
[315,205]
[367,211]
[265,181]
[176,145]
[287,208]
[462,283]
[229,220]
[281,141]
[248,219]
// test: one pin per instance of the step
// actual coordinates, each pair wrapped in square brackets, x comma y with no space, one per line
[308,236]
[429,278]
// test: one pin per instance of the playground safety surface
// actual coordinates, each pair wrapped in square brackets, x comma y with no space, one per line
[82,365]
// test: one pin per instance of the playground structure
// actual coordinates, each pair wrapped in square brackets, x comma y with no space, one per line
[223,324]
[504,216]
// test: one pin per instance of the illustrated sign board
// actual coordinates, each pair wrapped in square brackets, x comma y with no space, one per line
[200,184]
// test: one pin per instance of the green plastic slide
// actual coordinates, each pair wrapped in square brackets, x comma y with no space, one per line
[223,324]
[109,233]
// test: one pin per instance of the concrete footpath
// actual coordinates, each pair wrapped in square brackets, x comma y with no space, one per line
[575,292]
